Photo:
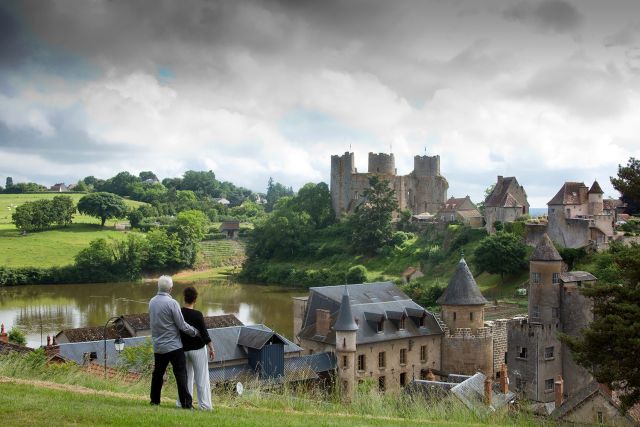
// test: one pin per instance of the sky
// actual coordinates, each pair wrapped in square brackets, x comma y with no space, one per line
[544,90]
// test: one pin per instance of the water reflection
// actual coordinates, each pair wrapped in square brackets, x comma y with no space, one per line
[41,310]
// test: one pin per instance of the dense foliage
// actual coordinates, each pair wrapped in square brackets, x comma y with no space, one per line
[610,345]
[42,214]
[275,192]
[370,223]
[628,184]
[103,206]
[501,253]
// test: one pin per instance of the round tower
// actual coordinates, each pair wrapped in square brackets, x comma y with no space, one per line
[545,267]
[382,163]
[595,199]
[346,330]
[462,303]
[426,165]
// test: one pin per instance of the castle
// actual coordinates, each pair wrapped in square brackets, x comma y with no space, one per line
[423,190]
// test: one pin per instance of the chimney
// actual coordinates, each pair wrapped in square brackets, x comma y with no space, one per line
[323,322]
[488,391]
[48,340]
[559,390]
[3,335]
[430,376]
[504,379]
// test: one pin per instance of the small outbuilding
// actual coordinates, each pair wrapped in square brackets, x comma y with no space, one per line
[231,229]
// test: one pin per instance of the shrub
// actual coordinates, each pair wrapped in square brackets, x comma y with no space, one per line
[357,274]
[399,237]
[16,336]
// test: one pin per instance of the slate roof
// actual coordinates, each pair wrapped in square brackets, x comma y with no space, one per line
[577,276]
[582,396]
[462,288]
[345,322]
[471,213]
[506,194]
[370,303]
[545,251]
[571,193]
[257,338]
[230,225]
[140,322]
[595,188]
[92,333]
[225,341]
[471,393]
[9,347]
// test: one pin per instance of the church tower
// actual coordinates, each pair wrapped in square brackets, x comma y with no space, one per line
[346,329]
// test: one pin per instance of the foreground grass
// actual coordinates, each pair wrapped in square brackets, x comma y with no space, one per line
[55,247]
[35,393]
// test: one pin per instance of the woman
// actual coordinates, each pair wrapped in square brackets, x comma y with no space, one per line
[195,350]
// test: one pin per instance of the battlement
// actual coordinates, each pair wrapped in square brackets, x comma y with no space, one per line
[382,163]
[468,333]
[426,165]
[344,163]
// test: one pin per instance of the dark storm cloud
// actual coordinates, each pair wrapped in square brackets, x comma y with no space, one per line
[553,15]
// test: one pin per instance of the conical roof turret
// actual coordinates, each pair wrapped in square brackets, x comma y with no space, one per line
[345,322]
[545,251]
[462,288]
[595,188]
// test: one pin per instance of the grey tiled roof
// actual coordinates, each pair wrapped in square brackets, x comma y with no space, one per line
[577,276]
[462,288]
[595,188]
[257,338]
[506,194]
[571,193]
[545,251]
[471,393]
[370,303]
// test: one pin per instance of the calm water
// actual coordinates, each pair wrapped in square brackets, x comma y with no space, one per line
[41,310]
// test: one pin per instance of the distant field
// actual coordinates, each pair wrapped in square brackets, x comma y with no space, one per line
[49,248]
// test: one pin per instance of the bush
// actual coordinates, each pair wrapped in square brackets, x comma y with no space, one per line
[16,336]
[357,274]
[399,237]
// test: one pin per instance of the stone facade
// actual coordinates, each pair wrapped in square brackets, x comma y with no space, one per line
[506,203]
[577,217]
[423,190]
[535,356]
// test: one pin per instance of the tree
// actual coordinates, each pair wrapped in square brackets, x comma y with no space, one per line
[628,184]
[62,208]
[609,346]
[34,216]
[315,199]
[276,191]
[144,175]
[487,193]
[8,182]
[501,253]
[121,184]
[96,262]
[16,336]
[371,221]
[103,205]
[357,274]
[200,182]
[190,227]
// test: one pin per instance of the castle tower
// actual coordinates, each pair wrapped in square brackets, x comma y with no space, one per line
[595,199]
[342,169]
[462,303]
[346,329]
[426,165]
[545,266]
[382,163]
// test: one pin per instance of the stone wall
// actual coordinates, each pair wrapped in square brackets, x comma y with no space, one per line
[498,330]
[534,233]
[587,413]
[464,352]
[460,316]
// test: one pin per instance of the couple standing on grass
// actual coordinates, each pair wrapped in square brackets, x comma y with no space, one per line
[180,336]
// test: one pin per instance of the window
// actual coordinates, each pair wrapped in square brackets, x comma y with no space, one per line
[381,326]
[471,316]
[402,319]
[535,278]
[535,311]
[345,362]
[548,352]
[362,362]
[423,353]
[382,359]
[381,383]
[600,417]
[522,353]
[403,356]
[403,379]
[421,324]
[454,315]
[556,278]
[548,384]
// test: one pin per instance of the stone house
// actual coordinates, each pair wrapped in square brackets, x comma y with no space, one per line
[535,356]
[231,229]
[59,188]
[469,344]
[577,216]
[506,203]
[375,330]
[593,404]
[423,190]
[462,210]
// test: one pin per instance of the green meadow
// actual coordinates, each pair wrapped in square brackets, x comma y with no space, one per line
[55,247]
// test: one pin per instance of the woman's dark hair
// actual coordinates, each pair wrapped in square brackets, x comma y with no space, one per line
[190,295]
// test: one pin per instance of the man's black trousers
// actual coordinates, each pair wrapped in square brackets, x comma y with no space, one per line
[179,365]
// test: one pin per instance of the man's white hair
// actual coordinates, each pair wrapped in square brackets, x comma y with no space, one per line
[165,283]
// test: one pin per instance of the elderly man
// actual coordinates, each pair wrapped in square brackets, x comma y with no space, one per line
[166,324]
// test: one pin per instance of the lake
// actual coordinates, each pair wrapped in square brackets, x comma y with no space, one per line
[41,310]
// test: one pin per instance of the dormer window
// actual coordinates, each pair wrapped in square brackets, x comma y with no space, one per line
[402,320]
[381,326]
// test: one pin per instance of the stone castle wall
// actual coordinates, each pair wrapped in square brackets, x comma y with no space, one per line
[466,351]
[499,333]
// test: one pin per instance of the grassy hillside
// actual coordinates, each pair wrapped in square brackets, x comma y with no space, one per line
[49,248]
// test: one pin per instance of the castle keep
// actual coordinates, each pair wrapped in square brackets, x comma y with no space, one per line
[423,190]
